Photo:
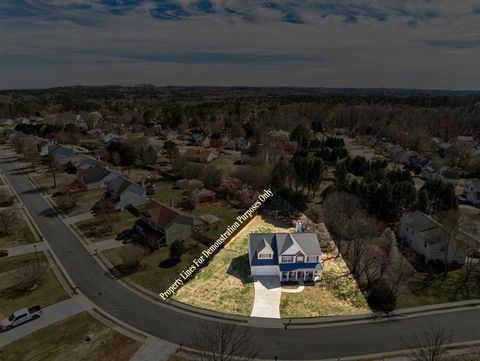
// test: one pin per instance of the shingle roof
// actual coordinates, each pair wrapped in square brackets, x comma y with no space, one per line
[94,174]
[162,214]
[280,242]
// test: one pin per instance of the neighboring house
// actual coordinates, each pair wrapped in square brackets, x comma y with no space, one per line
[426,236]
[290,256]
[472,191]
[97,177]
[86,162]
[199,155]
[239,144]
[61,154]
[110,137]
[199,140]
[164,224]
[429,170]
[123,192]
[446,173]
[43,146]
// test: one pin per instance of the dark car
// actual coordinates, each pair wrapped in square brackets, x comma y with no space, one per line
[124,234]
[3,253]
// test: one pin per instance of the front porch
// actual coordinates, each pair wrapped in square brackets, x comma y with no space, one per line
[303,275]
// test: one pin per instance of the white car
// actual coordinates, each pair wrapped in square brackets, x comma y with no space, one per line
[19,317]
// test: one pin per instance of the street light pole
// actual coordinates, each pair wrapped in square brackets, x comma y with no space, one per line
[36,255]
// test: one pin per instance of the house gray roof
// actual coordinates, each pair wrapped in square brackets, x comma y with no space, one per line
[280,242]
[475,182]
[94,174]
[120,184]
[427,227]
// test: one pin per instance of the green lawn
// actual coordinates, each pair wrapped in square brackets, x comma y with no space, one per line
[48,292]
[19,233]
[165,191]
[100,228]
[155,275]
[418,292]
[64,340]
[225,285]
[225,212]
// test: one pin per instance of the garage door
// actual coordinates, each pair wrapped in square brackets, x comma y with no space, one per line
[265,271]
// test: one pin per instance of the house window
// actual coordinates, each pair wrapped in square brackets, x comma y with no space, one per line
[300,258]
[265,255]
[312,259]
[287,259]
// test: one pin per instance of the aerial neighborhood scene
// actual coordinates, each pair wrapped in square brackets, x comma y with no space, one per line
[239,180]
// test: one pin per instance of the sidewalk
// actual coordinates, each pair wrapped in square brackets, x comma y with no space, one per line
[104,245]
[50,314]
[78,218]
[27,248]
[154,349]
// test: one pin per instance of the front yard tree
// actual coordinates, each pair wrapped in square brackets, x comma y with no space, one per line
[381,297]
[177,248]
[132,255]
[171,148]
[221,341]
[7,220]
[429,345]
[28,275]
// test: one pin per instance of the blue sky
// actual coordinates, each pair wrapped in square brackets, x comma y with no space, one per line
[351,43]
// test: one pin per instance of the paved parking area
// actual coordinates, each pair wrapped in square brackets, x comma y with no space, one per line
[267,297]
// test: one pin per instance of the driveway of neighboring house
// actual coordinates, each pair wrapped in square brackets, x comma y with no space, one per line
[267,297]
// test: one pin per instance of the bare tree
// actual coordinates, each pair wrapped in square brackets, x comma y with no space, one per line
[429,344]
[33,157]
[27,276]
[223,342]
[132,255]
[7,218]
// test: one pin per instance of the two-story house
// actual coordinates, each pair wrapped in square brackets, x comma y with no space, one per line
[123,193]
[161,224]
[290,256]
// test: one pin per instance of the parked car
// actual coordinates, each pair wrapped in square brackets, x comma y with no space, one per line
[462,200]
[124,234]
[19,317]
[3,252]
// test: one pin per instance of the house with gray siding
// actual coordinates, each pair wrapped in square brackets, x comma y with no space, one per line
[123,192]
[97,177]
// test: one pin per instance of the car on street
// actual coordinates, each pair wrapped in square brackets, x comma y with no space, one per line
[19,317]
[3,252]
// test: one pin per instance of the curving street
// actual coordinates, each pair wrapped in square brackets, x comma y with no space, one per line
[175,325]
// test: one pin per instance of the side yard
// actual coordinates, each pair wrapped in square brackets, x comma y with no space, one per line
[65,340]
[157,272]
[106,226]
[13,270]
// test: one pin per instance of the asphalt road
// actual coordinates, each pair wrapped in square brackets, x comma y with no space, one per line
[175,326]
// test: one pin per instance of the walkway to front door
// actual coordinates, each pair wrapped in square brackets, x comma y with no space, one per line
[267,297]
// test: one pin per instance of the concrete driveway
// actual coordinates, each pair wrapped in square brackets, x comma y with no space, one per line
[267,297]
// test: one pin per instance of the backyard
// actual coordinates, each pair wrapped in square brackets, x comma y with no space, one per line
[65,340]
[49,290]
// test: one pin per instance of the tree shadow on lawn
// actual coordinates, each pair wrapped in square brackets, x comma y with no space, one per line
[240,268]
[169,263]
[120,271]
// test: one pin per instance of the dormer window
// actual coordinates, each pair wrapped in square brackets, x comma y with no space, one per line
[300,258]
[265,256]
[287,259]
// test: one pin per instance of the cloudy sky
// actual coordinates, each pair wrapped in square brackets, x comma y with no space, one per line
[328,43]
